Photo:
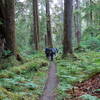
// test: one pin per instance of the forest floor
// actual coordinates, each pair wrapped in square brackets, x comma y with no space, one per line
[79,79]
[90,86]
[51,84]
[25,81]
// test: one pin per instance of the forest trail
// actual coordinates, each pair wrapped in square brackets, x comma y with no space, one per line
[51,84]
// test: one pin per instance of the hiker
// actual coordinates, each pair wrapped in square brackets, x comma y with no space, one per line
[53,53]
[50,52]
[47,52]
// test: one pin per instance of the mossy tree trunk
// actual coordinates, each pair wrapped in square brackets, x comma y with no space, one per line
[2,18]
[67,42]
[10,25]
[36,24]
[7,27]
[48,20]
[78,23]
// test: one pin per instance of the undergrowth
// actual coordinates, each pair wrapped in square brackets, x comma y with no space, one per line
[24,82]
[71,71]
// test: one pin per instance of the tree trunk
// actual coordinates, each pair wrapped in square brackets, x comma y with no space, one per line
[78,24]
[10,25]
[49,35]
[91,15]
[2,19]
[7,28]
[45,41]
[67,42]
[36,24]
[2,27]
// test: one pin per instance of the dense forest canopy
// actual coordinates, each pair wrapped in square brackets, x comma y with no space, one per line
[85,17]
[63,35]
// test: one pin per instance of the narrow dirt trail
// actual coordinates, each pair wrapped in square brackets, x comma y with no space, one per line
[51,84]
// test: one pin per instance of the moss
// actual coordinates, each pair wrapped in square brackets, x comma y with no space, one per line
[18,82]
[8,62]
[7,94]
[15,96]
[6,74]
[33,65]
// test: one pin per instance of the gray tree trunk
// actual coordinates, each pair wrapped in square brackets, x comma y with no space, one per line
[78,23]
[67,42]
[49,34]
[36,24]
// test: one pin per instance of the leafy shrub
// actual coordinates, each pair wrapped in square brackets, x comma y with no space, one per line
[72,71]
[89,97]
[9,62]
[7,52]
[93,30]
[92,43]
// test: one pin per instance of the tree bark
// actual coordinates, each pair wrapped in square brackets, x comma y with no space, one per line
[45,41]
[36,24]
[10,25]
[67,42]
[2,18]
[7,28]
[91,13]
[48,19]
[78,24]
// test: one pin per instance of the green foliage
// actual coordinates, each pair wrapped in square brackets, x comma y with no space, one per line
[91,43]
[97,90]
[25,81]
[23,25]
[13,84]
[7,52]
[71,71]
[92,30]
[78,11]
[8,62]
[89,97]
[6,95]
[23,35]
